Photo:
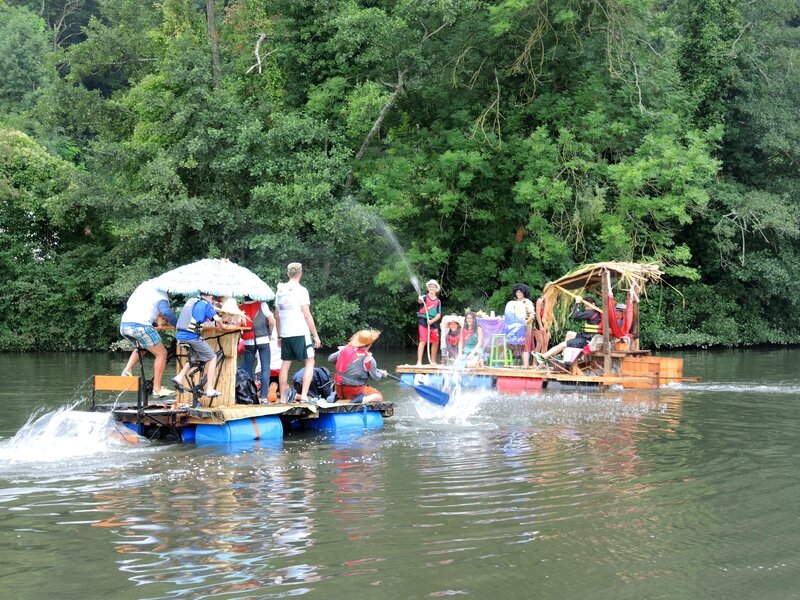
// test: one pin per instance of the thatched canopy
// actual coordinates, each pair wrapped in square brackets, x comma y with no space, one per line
[559,295]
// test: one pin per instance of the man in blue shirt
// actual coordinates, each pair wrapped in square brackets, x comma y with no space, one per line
[195,312]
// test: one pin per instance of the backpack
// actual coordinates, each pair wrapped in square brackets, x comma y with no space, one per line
[321,384]
[246,391]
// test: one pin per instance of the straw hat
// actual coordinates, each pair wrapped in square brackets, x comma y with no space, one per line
[448,318]
[434,283]
[365,337]
[230,307]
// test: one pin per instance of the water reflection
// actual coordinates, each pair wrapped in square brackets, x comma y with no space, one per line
[551,494]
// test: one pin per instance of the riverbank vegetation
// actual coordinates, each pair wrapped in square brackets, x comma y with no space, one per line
[501,141]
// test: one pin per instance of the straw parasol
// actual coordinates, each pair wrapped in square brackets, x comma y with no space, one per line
[220,277]
[559,295]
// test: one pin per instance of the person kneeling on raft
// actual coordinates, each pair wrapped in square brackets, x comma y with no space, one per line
[355,365]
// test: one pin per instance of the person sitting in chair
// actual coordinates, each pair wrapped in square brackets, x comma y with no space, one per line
[592,325]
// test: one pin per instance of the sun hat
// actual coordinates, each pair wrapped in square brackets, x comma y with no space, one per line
[622,306]
[365,337]
[447,319]
[294,268]
[230,307]
[434,283]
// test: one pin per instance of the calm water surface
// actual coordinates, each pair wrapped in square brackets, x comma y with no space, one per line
[688,492]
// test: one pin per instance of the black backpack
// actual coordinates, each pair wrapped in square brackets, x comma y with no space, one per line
[321,384]
[246,391]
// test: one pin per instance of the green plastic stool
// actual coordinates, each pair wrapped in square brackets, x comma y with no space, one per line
[499,355]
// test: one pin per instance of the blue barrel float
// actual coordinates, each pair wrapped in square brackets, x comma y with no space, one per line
[343,422]
[241,430]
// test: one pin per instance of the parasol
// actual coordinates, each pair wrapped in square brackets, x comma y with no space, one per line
[216,276]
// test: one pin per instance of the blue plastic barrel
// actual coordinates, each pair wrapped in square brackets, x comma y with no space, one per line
[338,422]
[241,430]
[137,428]
[188,434]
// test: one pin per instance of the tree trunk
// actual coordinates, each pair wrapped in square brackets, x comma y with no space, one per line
[376,126]
[213,40]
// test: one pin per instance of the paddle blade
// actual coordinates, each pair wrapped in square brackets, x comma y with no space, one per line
[432,394]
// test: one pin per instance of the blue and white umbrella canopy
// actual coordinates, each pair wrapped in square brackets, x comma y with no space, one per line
[220,277]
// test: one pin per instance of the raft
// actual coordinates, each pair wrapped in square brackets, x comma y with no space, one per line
[612,358]
[629,370]
[186,418]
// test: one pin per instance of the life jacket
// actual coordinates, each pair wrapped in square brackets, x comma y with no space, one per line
[186,321]
[260,325]
[347,356]
[594,325]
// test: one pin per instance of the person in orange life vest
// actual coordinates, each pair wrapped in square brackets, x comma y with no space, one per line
[355,365]
[257,340]
[428,317]
[593,324]
[451,342]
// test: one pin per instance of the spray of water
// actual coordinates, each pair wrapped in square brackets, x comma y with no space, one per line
[380,225]
[63,434]
[392,239]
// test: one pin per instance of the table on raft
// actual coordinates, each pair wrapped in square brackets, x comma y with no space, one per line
[221,419]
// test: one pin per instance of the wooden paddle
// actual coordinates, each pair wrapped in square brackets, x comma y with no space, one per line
[425,391]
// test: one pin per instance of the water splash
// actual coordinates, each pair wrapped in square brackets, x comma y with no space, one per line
[63,434]
[392,239]
[380,225]
[463,404]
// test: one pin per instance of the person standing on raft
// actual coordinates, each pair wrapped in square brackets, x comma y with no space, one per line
[428,317]
[355,365]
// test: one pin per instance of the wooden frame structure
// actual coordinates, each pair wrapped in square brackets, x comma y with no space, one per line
[601,279]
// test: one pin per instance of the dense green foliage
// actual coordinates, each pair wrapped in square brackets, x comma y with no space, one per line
[501,141]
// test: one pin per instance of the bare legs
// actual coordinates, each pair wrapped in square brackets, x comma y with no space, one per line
[434,352]
[283,378]
[210,372]
[159,353]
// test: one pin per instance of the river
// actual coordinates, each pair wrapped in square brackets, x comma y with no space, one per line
[686,492]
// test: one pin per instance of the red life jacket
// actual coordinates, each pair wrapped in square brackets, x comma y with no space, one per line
[347,355]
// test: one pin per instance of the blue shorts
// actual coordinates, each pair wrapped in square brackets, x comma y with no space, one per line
[144,335]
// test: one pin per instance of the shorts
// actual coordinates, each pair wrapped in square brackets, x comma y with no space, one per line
[348,392]
[580,341]
[298,347]
[423,335]
[144,335]
[199,350]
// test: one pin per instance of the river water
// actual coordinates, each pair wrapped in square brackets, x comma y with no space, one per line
[687,492]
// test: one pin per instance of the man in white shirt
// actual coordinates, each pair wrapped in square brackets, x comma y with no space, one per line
[143,309]
[297,333]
